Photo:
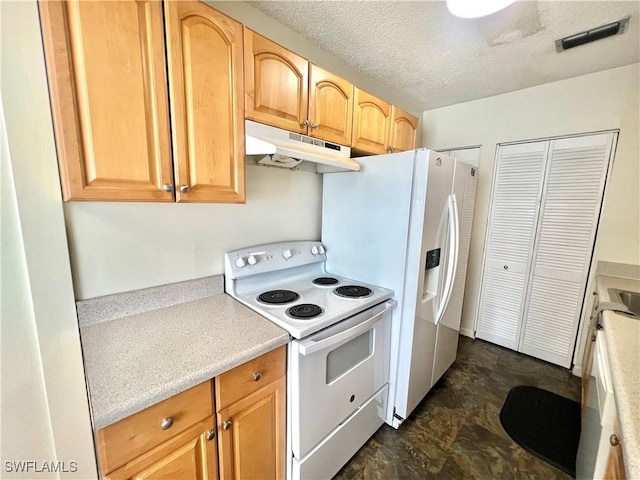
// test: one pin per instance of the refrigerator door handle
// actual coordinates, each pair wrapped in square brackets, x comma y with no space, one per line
[454,243]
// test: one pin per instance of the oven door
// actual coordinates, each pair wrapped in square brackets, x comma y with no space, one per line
[334,371]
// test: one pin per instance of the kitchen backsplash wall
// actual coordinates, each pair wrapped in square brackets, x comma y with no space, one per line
[117,247]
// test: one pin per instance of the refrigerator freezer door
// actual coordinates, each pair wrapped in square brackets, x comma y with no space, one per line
[447,334]
[423,286]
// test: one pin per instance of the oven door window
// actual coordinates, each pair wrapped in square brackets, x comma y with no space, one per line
[349,355]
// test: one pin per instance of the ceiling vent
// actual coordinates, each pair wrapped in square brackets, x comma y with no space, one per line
[604,31]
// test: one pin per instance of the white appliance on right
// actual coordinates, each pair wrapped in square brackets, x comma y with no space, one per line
[404,222]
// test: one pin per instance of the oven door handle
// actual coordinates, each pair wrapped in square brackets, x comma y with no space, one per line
[310,346]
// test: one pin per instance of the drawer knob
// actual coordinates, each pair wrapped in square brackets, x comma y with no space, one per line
[506,267]
[211,434]
[226,425]
[614,440]
[166,423]
[257,376]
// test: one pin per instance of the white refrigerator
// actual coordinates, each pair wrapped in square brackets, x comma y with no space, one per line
[404,222]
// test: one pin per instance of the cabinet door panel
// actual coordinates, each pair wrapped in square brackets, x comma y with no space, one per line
[404,130]
[276,84]
[187,456]
[106,68]
[204,49]
[253,446]
[371,123]
[330,107]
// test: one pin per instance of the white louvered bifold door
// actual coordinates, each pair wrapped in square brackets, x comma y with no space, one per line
[510,238]
[576,172]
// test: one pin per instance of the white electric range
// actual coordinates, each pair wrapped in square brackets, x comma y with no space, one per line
[338,363]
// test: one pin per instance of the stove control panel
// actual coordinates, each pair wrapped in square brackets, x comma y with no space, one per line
[272,257]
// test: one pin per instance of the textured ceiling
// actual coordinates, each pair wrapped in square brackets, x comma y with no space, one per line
[432,59]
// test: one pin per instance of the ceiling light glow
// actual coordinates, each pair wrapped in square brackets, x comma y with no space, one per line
[476,8]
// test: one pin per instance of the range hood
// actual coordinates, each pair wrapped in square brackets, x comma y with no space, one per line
[282,148]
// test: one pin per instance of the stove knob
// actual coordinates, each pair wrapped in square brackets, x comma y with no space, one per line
[314,250]
[240,262]
[287,254]
[252,260]
[321,249]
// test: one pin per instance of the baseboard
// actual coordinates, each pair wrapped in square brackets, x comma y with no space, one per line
[467,332]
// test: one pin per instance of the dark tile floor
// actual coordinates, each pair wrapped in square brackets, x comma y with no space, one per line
[455,433]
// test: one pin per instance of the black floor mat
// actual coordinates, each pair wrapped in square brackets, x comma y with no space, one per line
[545,424]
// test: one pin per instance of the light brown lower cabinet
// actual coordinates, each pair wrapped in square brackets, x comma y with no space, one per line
[251,418]
[188,455]
[181,438]
[252,440]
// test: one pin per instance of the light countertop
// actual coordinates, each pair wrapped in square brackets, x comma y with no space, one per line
[622,335]
[138,360]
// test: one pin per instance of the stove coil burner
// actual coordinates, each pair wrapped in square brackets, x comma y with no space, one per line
[304,311]
[325,281]
[353,291]
[278,297]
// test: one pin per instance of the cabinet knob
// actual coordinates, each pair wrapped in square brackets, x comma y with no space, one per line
[389,149]
[166,423]
[305,123]
[226,425]
[211,434]
[614,440]
[506,267]
[314,125]
[257,376]
[184,188]
[167,187]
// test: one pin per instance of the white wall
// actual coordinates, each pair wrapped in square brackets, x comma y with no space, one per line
[45,412]
[599,101]
[117,247]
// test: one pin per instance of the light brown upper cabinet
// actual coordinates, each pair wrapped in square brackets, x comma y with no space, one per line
[107,69]
[276,84]
[330,107]
[204,53]
[404,128]
[371,123]
[284,90]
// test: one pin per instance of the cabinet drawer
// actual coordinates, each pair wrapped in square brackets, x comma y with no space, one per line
[127,439]
[249,377]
